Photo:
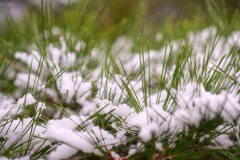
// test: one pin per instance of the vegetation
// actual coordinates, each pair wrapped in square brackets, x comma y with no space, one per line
[90,84]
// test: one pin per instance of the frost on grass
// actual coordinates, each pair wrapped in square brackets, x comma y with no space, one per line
[10,108]
[86,140]
[180,96]
[19,130]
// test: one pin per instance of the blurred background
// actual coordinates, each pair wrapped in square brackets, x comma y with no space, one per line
[112,15]
[157,10]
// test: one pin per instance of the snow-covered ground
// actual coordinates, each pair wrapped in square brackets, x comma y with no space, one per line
[65,77]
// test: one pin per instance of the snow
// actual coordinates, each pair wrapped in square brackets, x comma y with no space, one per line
[223,141]
[28,99]
[31,60]
[9,108]
[62,151]
[24,79]
[20,158]
[122,110]
[88,108]
[112,91]
[70,84]
[13,131]
[79,45]
[159,146]
[148,131]
[193,106]
[70,138]
[190,104]
[114,155]
[66,86]
[23,158]
[77,140]
[56,31]
[3,114]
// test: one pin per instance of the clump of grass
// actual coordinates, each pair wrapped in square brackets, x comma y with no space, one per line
[71,94]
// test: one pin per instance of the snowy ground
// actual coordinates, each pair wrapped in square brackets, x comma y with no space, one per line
[108,100]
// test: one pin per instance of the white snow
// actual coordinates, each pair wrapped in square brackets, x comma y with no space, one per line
[190,104]
[62,151]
